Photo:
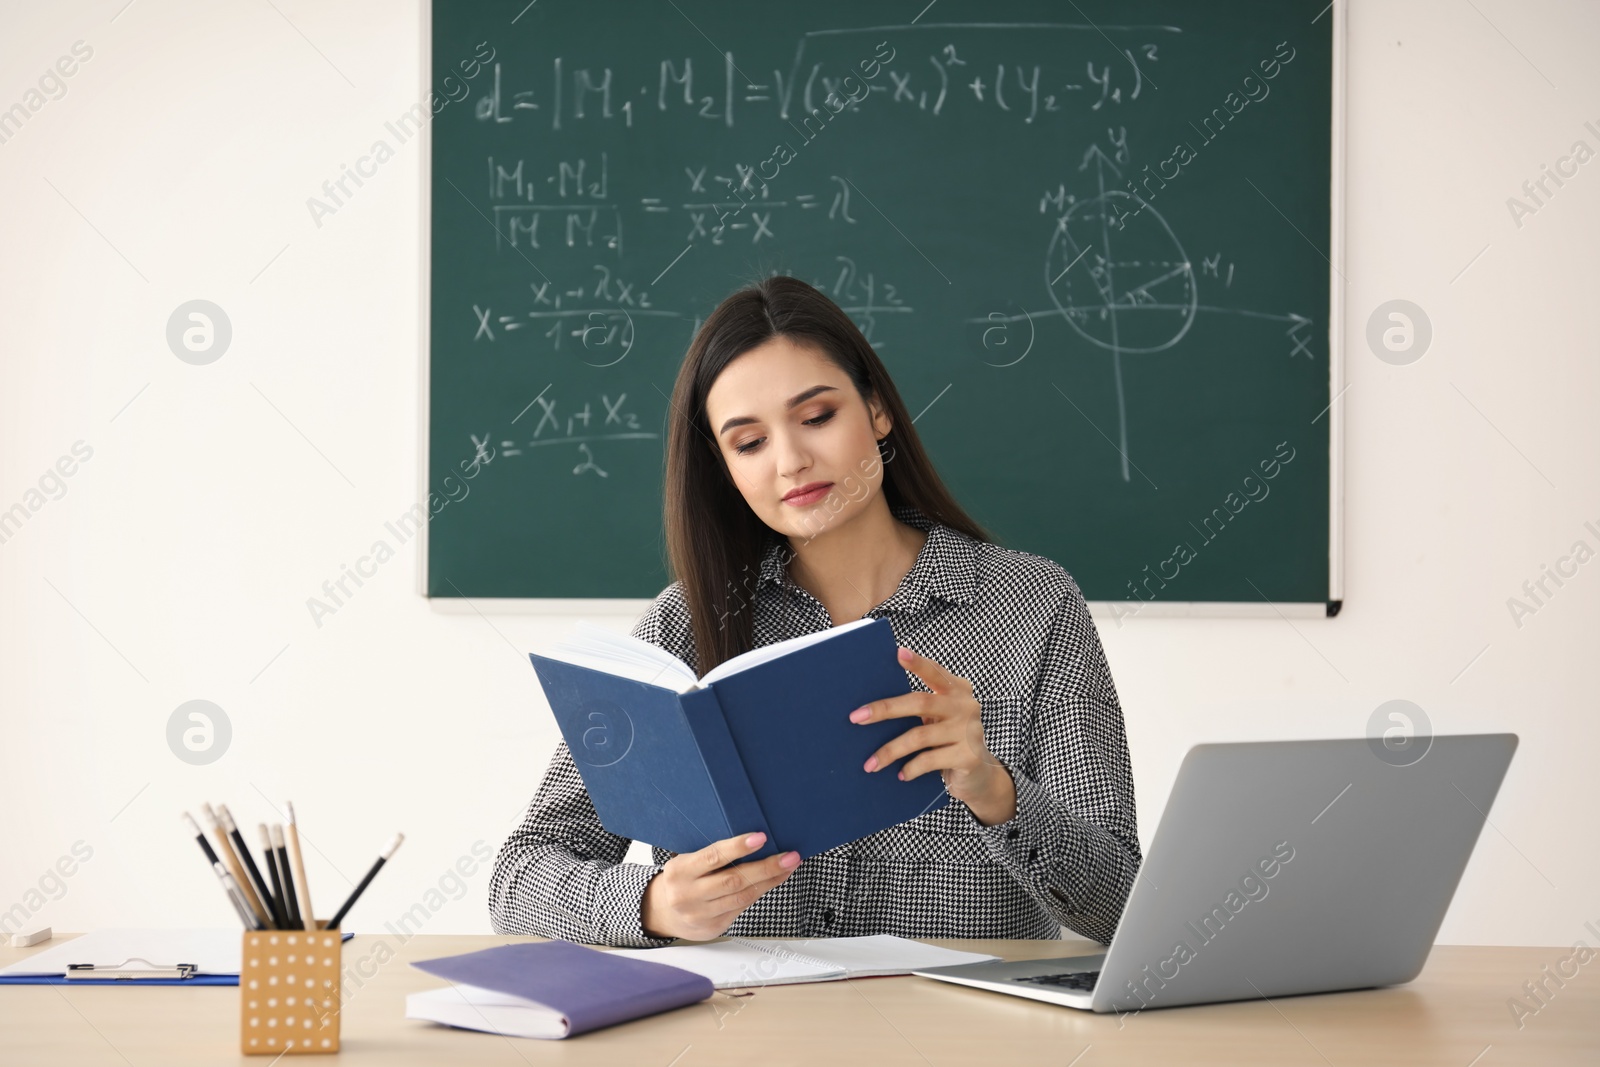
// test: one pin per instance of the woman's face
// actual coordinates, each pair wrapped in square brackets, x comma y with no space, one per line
[786,417]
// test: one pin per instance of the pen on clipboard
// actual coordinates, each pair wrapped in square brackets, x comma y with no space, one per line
[124,972]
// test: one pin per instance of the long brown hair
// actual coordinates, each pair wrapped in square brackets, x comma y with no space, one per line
[715,542]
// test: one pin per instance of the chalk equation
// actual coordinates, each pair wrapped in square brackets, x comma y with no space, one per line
[598,318]
[1115,268]
[572,426]
[935,77]
[575,211]
[863,297]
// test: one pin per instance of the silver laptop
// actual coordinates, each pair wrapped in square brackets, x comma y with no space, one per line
[1283,867]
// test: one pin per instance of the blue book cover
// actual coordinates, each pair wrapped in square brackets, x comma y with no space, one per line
[768,747]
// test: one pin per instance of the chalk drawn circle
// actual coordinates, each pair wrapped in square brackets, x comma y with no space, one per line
[1120,276]
[199,732]
[199,332]
[1399,332]
[606,734]
[1399,733]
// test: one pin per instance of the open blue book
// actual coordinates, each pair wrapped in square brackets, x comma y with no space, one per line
[763,742]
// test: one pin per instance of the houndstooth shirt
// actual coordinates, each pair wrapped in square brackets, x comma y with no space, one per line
[1016,626]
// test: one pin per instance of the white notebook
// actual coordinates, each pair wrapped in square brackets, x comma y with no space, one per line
[736,962]
[471,1007]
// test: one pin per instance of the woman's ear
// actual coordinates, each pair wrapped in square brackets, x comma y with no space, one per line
[882,421]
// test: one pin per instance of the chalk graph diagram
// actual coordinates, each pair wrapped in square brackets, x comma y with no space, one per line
[1121,279]
[1155,304]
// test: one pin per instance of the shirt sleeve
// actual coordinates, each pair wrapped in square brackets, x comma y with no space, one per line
[560,873]
[1073,843]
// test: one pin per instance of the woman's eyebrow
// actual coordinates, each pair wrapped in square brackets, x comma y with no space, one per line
[794,401]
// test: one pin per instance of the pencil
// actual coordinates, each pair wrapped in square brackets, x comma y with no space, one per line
[199,835]
[302,888]
[383,857]
[231,861]
[291,906]
[280,916]
[235,898]
[226,818]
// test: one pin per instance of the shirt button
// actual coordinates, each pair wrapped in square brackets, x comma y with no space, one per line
[827,916]
[1033,854]
[1011,834]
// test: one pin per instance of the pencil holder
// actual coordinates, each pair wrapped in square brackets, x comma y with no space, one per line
[289,992]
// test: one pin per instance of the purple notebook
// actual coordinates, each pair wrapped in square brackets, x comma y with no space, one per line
[590,988]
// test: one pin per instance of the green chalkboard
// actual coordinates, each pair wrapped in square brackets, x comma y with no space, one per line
[1090,241]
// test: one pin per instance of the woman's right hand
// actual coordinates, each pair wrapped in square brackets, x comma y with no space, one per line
[697,895]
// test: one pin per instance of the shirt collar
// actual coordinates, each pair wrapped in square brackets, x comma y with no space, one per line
[946,568]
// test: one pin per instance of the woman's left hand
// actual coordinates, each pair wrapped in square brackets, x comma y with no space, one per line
[950,740]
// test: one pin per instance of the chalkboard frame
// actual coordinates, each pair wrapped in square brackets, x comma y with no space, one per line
[1104,609]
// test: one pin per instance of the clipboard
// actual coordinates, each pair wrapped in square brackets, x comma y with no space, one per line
[57,979]
[134,958]
[134,969]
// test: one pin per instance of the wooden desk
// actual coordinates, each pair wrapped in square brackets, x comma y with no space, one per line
[1449,1016]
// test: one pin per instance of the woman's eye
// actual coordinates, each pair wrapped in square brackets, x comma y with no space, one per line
[817,421]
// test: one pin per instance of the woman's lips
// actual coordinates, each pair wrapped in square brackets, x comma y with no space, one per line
[812,496]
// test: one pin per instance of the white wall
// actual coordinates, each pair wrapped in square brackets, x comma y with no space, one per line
[178,562]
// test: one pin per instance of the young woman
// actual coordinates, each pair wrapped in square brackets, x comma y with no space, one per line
[798,498]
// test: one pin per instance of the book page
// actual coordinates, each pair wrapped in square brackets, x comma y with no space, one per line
[746,660]
[622,655]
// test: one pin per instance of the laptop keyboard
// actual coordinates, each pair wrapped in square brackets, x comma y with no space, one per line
[1083,980]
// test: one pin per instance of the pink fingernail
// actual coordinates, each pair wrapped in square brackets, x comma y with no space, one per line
[755,839]
[871,764]
[790,860]
[860,714]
